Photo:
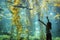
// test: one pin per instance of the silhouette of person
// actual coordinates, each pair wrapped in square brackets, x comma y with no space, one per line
[48,28]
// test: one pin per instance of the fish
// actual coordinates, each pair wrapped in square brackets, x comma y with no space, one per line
[21,6]
[30,8]
[5,16]
[9,2]
[8,14]
[57,16]
[0,18]
[1,9]
[0,14]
